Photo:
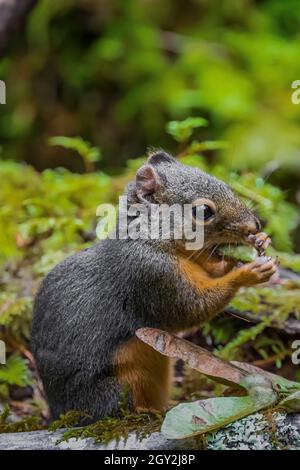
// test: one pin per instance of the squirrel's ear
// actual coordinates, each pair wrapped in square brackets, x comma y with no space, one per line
[147,181]
[160,157]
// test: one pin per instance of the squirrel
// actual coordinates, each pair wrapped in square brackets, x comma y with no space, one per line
[89,306]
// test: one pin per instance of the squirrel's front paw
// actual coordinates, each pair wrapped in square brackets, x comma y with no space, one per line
[259,271]
[260,241]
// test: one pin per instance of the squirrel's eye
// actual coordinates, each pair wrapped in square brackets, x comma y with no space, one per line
[203,212]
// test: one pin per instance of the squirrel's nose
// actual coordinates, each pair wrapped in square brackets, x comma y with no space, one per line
[252,226]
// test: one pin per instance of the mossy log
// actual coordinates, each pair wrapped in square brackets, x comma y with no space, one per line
[281,305]
[254,432]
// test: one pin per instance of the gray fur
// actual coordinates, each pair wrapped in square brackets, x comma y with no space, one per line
[94,301]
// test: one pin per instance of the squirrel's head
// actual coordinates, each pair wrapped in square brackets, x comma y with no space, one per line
[164,180]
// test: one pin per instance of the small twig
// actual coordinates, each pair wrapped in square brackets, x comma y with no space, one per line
[21,348]
[269,360]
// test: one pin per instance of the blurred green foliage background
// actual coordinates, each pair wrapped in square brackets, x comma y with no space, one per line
[208,80]
[115,72]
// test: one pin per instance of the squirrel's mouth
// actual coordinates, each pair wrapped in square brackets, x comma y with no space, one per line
[230,241]
[237,246]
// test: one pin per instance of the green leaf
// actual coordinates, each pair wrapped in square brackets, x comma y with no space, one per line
[188,419]
[183,130]
[239,253]
[85,149]
[291,403]
[15,372]
[281,384]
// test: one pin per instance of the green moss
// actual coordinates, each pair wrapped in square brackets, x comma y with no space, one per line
[242,337]
[108,429]
[29,423]
[68,420]
[104,430]
[276,302]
